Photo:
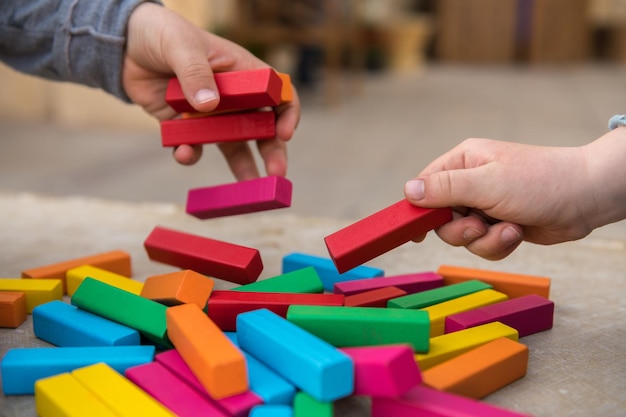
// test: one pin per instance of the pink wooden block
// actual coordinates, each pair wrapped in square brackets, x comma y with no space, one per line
[235,406]
[428,402]
[265,193]
[384,371]
[374,298]
[411,283]
[527,314]
[171,391]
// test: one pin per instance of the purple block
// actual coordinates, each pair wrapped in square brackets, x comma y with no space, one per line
[527,314]
[411,283]
[265,193]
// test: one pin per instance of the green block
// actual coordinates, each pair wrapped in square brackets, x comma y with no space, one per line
[437,295]
[305,280]
[306,406]
[144,315]
[363,326]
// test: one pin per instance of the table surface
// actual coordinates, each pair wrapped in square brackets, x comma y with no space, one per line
[578,368]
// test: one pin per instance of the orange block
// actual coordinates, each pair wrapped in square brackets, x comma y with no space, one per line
[181,287]
[480,371]
[12,309]
[217,363]
[513,285]
[286,93]
[115,261]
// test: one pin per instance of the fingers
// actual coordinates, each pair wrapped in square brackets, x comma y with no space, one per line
[274,154]
[187,154]
[240,159]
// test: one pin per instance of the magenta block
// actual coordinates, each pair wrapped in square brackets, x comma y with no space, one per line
[428,402]
[528,314]
[384,371]
[265,193]
[411,283]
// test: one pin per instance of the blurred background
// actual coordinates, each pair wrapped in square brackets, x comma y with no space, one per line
[386,86]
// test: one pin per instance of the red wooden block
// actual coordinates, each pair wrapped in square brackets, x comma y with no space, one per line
[239,90]
[411,283]
[241,197]
[214,129]
[224,306]
[12,309]
[374,298]
[382,232]
[215,258]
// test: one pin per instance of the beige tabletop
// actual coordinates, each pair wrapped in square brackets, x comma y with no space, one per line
[578,368]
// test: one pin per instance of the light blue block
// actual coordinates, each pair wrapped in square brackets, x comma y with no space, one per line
[271,411]
[22,367]
[64,325]
[311,364]
[267,384]
[327,270]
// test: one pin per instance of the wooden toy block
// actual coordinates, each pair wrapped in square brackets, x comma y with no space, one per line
[215,258]
[480,371]
[12,309]
[384,371]
[21,367]
[305,280]
[450,345]
[224,306]
[242,197]
[230,127]
[381,232]
[239,90]
[36,291]
[374,298]
[438,295]
[286,92]
[363,326]
[63,396]
[425,401]
[527,314]
[513,285]
[411,283]
[439,312]
[134,311]
[180,287]
[271,410]
[311,364]
[326,269]
[305,405]
[173,393]
[75,276]
[212,357]
[115,261]
[118,393]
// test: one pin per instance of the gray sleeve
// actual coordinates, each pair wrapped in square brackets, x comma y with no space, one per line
[80,41]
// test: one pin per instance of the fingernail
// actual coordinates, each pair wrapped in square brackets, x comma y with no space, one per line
[204,96]
[471,233]
[510,235]
[414,189]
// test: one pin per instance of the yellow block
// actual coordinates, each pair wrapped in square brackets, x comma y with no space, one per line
[450,345]
[118,393]
[63,396]
[75,276]
[438,312]
[37,291]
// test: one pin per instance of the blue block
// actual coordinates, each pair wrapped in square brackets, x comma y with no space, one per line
[271,411]
[267,384]
[326,269]
[63,324]
[311,364]
[22,367]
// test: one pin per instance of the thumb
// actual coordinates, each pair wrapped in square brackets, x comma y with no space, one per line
[443,189]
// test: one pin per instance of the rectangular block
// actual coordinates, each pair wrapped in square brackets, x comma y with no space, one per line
[239,90]
[12,309]
[527,314]
[232,127]
[438,295]
[305,280]
[286,92]
[381,232]
[271,410]
[363,326]
[304,405]
[21,367]
[326,269]
[211,356]
[224,306]
[242,197]
[374,298]
[513,285]
[411,283]
[134,311]
[180,287]
[311,364]
[75,276]
[215,258]
[36,291]
[480,371]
